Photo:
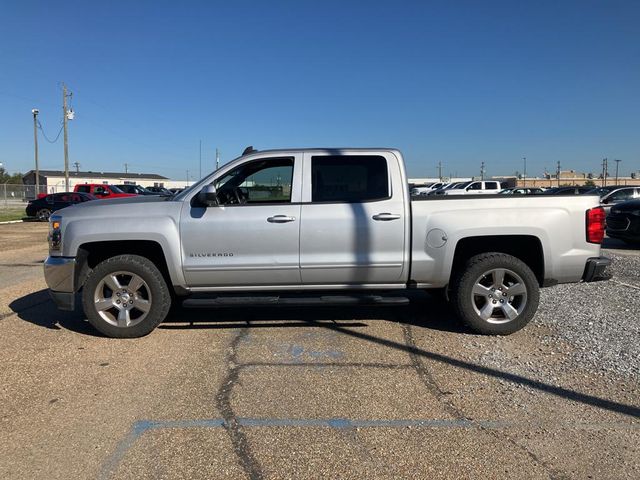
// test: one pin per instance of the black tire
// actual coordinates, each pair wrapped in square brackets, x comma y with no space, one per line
[154,291]
[505,313]
[43,214]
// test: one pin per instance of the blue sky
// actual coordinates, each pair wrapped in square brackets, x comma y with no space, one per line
[458,82]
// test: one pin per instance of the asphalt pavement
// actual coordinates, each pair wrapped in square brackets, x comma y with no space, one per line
[402,392]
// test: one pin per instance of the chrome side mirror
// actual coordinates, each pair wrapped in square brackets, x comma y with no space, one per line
[208,196]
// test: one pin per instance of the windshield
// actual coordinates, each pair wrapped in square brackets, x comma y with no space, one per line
[462,185]
[115,189]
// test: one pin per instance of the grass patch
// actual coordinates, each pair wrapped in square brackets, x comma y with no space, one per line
[7,214]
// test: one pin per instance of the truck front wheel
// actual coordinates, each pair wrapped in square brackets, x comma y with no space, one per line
[126,296]
[495,294]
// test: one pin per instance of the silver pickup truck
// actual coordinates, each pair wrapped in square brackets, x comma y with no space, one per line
[318,227]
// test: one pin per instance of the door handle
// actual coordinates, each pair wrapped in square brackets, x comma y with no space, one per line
[385,217]
[281,219]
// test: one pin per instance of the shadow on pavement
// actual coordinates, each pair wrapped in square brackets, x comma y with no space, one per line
[38,308]
[427,312]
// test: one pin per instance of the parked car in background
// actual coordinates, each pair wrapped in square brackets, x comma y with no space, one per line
[618,196]
[476,188]
[42,208]
[602,191]
[623,222]
[160,191]
[420,189]
[575,190]
[101,190]
[134,189]
[521,191]
[175,191]
[437,186]
[445,187]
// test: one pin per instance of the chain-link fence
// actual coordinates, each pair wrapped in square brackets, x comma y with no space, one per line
[16,196]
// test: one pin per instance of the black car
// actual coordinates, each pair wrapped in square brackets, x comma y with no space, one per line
[135,189]
[41,208]
[623,222]
[602,191]
[567,191]
[160,191]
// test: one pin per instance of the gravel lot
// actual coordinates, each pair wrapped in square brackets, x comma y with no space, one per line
[319,393]
[600,320]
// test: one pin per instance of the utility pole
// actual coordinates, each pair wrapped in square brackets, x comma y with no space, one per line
[558,172]
[35,112]
[482,171]
[524,175]
[440,171]
[617,164]
[217,159]
[126,168]
[200,176]
[66,144]
[77,165]
[604,172]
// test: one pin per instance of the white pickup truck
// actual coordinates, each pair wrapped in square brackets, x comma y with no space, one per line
[476,188]
[318,227]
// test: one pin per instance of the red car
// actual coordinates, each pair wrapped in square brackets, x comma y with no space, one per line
[102,190]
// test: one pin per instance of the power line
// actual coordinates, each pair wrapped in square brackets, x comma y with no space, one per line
[45,135]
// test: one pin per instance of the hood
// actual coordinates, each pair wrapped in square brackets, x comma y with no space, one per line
[128,199]
[109,206]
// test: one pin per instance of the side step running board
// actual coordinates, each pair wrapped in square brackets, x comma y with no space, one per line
[327,300]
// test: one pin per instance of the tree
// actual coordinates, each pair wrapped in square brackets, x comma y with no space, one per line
[590,183]
[16,178]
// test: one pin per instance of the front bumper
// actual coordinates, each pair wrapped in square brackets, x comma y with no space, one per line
[595,270]
[59,273]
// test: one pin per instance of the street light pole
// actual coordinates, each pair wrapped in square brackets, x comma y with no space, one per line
[66,145]
[35,112]
[617,163]
[524,175]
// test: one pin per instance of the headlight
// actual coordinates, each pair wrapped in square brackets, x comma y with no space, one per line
[55,233]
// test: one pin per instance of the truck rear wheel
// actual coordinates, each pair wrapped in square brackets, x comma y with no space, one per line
[126,296]
[495,294]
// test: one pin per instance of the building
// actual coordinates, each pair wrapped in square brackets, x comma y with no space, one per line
[53,180]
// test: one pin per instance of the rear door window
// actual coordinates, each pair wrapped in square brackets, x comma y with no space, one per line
[349,178]
[492,185]
[83,188]
[475,186]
